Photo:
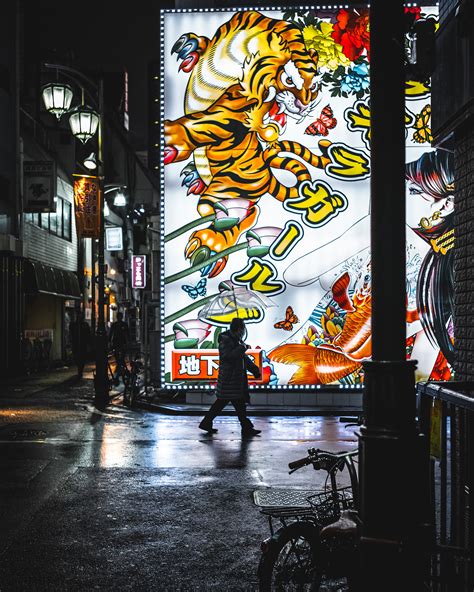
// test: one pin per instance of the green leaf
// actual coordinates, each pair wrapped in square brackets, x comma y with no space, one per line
[207,345]
[217,332]
[179,327]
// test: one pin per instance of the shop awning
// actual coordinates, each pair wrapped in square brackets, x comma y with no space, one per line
[46,279]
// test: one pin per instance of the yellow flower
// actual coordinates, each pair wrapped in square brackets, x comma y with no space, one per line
[330,53]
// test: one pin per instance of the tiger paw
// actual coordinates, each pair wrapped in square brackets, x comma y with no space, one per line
[189,48]
[204,244]
[192,180]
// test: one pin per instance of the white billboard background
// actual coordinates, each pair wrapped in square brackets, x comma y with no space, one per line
[319,258]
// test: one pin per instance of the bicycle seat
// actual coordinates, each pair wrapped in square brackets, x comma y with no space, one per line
[345,526]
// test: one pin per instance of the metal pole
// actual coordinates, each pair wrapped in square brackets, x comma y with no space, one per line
[93,290]
[388,443]
[101,380]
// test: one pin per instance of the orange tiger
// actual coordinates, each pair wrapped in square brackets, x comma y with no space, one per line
[234,107]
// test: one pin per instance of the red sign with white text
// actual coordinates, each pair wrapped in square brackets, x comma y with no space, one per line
[203,364]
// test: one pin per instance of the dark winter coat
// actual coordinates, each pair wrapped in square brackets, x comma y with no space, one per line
[232,380]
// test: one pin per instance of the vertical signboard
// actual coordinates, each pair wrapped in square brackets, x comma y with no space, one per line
[114,238]
[266,195]
[39,186]
[87,205]
[139,271]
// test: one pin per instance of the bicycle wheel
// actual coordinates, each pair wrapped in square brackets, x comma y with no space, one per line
[133,391]
[290,562]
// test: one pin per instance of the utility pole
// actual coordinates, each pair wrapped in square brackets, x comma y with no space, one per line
[101,397]
[388,444]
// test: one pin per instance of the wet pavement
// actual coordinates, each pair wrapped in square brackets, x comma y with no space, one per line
[135,500]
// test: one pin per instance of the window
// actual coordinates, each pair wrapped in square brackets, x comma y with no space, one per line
[45,221]
[58,222]
[53,219]
[67,209]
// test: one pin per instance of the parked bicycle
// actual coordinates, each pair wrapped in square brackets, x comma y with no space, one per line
[128,368]
[133,381]
[315,547]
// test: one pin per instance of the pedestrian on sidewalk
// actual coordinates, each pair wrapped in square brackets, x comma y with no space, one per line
[80,339]
[232,382]
[119,338]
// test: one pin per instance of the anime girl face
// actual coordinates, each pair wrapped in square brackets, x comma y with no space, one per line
[423,210]
[429,191]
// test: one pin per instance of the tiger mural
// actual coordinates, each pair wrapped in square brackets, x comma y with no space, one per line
[234,118]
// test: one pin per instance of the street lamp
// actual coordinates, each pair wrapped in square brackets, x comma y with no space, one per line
[90,162]
[120,200]
[57,98]
[84,122]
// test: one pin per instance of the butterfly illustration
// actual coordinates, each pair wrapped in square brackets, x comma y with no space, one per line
[290,319]
[422,132]
[198,290]
[321,126]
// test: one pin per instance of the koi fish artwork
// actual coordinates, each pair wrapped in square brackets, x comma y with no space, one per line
[329,362]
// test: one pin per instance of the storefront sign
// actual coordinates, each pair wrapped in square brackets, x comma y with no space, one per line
[203,364]
[138,271]
[41,334]
[87,201]
[39,186]
[114,238]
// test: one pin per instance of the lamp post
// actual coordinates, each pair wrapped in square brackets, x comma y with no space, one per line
[84,121]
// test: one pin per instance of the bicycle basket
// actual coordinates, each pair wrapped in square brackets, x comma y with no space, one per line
[327,505]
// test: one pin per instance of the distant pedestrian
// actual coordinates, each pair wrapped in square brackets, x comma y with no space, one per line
[119,338]
[80,339]
[232,382]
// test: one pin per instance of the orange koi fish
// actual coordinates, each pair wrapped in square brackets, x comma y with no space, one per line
[329,362]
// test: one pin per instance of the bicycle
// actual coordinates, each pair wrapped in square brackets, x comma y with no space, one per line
[132,381]
[317,540]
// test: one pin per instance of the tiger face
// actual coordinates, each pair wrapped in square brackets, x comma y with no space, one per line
[297,90]
[285,83]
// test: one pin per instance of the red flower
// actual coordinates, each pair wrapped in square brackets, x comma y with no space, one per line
[412,14]
[352,32]
[414,10]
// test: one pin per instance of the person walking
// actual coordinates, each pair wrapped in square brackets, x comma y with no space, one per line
[119,337]
[80,338]
[232,382]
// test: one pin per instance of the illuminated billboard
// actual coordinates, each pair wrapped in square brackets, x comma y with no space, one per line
[266,199]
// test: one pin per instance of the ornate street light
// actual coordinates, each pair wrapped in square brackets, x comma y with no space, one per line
[83,122]
[57,98]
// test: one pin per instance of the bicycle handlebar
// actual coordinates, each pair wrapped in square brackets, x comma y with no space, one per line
[321,459]
[298,464]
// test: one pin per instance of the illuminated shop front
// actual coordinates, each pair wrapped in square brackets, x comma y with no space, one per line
[266,199]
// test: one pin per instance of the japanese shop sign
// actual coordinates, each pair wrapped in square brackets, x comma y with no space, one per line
[39,186]
[138,271]
[203,364]
[87,202]
[113,239]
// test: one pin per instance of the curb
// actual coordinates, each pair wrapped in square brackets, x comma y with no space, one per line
[254,411]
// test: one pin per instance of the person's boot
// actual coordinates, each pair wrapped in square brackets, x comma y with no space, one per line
[207,427]
[248,432]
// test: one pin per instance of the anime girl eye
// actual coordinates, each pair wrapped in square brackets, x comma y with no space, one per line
[414,190]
